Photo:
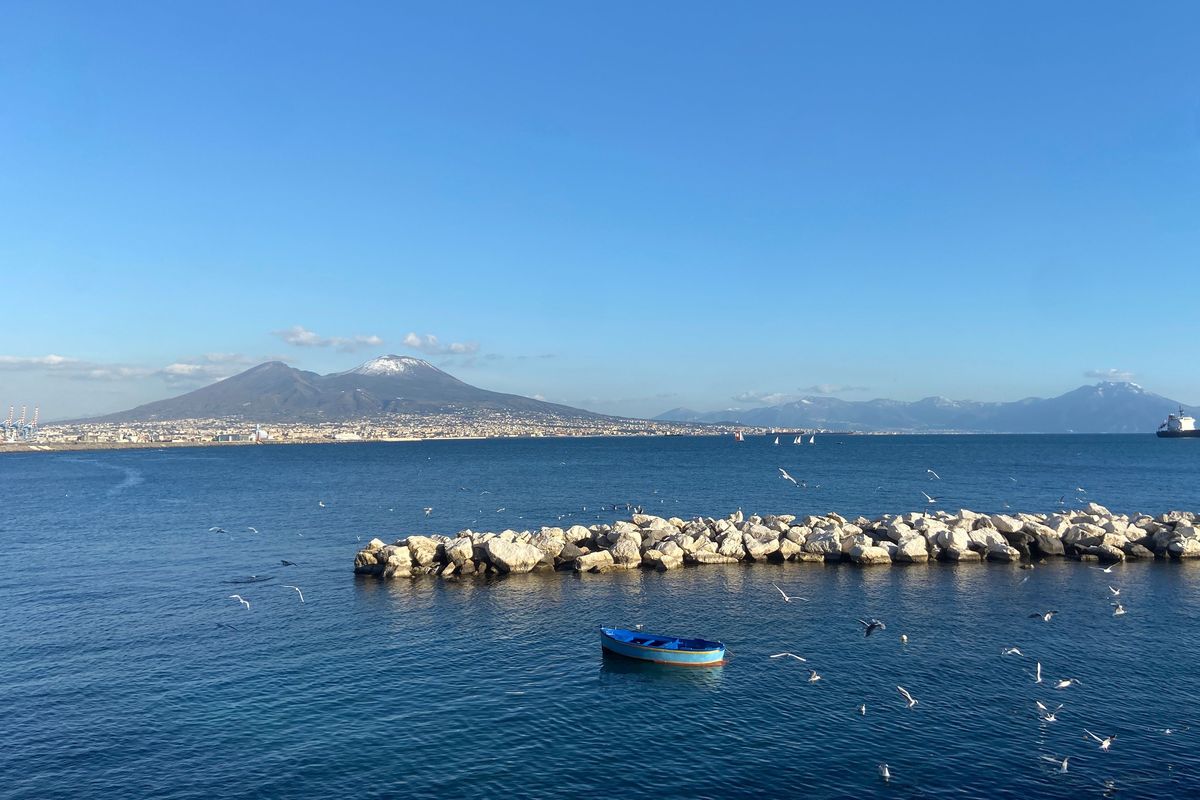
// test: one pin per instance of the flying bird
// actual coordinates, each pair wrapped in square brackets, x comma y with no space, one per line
[863,709]
[297,588]
[872,626]
[935,476]
[885,773]
[252,529]
[789,655]
[1066,683]
[1038,673]
[1118,609]
[1115,592]
[789,598]
[287,563]
[321,503]
[1011,651]
[907,697]
[215,529]
[1044,616]
[241,600]
[1108,570]
[1081,490]
[813,676]
[929,499]
[1105,743]
[428,510]
[1062,765]
[783,473]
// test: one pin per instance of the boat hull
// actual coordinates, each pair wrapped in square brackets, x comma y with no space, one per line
[682,657]
[1193,434]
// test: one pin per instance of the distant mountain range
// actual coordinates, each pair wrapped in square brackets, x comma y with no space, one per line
[275,392]
[1103,408]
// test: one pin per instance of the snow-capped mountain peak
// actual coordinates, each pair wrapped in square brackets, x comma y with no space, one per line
[391,365]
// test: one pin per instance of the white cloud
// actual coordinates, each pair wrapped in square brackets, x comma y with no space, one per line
[1117,375]
[762,398]
[430,345]
[835,388]
[50,361]
[300,336]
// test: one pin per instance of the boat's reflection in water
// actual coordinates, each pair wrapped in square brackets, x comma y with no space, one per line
[617,669]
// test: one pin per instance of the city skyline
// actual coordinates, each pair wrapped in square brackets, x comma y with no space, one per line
[624,210]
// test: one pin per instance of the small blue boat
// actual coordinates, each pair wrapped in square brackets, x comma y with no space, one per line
[662,649]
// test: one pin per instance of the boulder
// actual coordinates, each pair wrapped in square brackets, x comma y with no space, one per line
[594,562]
[366,562]
[670,548]
[513,556]
[730,544]
[1135,550]
[1003,553]
[424,550]
[960,554]
[912,549]
[1184,548]
[459,550]
[867,554]
[661,561]
[627,552]
[1006,524]
[788,549]
[759,549]
[825,542]
[399,563]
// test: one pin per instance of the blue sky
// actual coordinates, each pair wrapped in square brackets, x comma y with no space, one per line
[623,206]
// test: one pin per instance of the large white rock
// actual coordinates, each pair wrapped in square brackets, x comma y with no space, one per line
[1006,524]
[1004,553]
[626,552]
[706,557]
[730,544]
[867,554]
[460,550]
[789,549]
[824,542]
[759,549]
[423,549]
[594,562]
[513,556]
[912,549]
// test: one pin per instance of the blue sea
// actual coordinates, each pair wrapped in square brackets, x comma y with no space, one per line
[128,671]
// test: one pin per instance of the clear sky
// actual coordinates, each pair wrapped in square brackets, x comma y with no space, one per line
[623,206]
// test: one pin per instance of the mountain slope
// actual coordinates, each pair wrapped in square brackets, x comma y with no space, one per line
[275,392]
[1103,408]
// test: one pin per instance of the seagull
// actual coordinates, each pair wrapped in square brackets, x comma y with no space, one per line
[241,600]
[904,638]
[1065,683]
[872,626]
[428,510]
[885,773]
[929,499]
[908,697]
[863,709]
[1115,592]
[321,503]
[814,677]
[1062,765]
[1108,570]
[252,529]
[1105,743]
[287,563]
[1046,714]
[1169,731]
[1081,490]
[297,588]
[935,477]
[789,598]
[1011,651]
[1045,616]
[789,655]
[215,529]
[1039,673]
[1062,500]
[1118,609]
[783,473]
[1011,478]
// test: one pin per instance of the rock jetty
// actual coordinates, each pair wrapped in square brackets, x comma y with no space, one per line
[645,541]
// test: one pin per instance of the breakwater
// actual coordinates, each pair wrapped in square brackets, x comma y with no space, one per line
[646,541]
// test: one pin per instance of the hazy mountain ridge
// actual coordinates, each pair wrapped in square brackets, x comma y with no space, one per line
[1105,407]
[276,392]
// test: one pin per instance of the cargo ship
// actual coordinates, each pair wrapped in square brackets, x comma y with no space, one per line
[1178,426]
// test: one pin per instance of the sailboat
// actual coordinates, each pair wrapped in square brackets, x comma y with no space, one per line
[798,440]
[812,439]
[776,440]
[738,437]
